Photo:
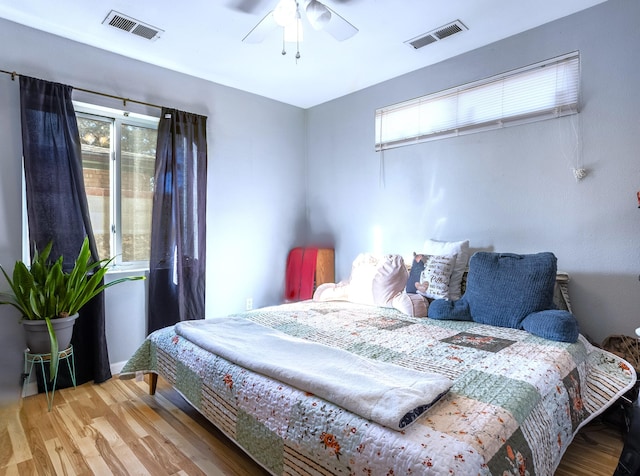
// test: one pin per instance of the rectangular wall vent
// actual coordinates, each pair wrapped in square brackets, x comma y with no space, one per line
[437,34]
[133,26]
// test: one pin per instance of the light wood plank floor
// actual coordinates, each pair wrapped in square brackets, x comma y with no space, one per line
[117,428]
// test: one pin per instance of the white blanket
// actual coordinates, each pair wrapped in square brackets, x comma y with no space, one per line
[388,394]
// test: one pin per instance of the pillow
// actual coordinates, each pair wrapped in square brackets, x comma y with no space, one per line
[332,292]
[503,288]
[417,267]
[461,250]
[374,280]
[444,310]
[411,304]
[511,290]
[435,277]
[553,324]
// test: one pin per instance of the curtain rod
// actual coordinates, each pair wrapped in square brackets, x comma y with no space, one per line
[13,75]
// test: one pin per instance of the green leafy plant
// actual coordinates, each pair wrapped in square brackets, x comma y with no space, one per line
[45,292]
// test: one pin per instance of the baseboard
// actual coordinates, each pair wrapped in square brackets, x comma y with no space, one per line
[116,367]
[29,389]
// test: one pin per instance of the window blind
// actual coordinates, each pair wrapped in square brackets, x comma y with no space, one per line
[541,91]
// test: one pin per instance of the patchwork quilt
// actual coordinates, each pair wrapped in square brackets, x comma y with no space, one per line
[516,402]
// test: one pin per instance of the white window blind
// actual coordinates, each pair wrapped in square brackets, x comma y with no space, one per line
[533,93]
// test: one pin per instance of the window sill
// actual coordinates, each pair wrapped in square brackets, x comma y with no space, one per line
[128,270]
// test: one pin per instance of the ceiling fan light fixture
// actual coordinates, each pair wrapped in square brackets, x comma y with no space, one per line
[285,12]
[293,32]
[318,14]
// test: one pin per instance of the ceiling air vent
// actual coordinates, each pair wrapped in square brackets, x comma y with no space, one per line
[133,26]
[437,34]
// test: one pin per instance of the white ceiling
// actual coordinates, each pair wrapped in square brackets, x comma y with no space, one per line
[203,38]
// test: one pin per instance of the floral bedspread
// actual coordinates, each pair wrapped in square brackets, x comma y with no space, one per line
[516,403]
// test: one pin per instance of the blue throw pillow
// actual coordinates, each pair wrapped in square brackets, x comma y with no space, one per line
[504,288]
[445,310]
[553,324]
[417,266]
[511,290]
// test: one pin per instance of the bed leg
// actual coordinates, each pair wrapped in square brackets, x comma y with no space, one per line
[153,382]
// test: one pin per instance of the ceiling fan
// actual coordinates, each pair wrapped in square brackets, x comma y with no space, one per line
[286,14]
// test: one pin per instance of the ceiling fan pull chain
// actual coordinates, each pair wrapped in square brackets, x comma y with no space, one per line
[297,32]
[284,51]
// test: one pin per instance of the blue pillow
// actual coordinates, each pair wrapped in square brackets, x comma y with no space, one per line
[503,289]
[553,324]
[445,310]
[417,266]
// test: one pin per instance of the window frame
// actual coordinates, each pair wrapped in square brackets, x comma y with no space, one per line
[565,104]
[118,117]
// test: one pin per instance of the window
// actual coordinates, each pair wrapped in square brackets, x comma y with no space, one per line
[118,159]
[533,93]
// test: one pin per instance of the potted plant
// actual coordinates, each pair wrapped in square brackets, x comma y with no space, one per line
[47,295]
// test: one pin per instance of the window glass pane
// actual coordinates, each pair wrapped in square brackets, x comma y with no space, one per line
[95,140]
[119,150]
[138,153]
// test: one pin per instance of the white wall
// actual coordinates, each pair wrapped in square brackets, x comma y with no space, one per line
[126,316]
[509,190]
[256,188]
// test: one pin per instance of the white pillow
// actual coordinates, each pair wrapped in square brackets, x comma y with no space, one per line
[332,292]
[411,304]
[376,280]
[458,248]
[436,276]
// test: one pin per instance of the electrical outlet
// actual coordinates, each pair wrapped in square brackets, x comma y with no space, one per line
[249,304]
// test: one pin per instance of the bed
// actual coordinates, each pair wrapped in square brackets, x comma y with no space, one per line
[515,402]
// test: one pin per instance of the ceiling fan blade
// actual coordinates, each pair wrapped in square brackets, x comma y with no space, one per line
[317,14]
[338,27]
[261,30]
[246,6]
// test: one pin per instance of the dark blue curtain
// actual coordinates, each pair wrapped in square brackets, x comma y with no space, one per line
[178,248]
[57,207]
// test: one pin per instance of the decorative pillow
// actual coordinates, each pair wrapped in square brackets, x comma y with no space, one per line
[511,290]
[461,250]
[435,277]
[374,280]
[377,279]
[444,310]
[504,288]
[417,267]
[553,324]
[332,292]
[411,304]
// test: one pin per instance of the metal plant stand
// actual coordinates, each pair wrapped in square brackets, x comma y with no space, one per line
[30,360]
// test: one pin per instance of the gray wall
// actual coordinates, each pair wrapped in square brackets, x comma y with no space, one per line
[256,187]
[509,190]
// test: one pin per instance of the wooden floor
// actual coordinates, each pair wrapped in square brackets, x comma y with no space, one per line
[117,428]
